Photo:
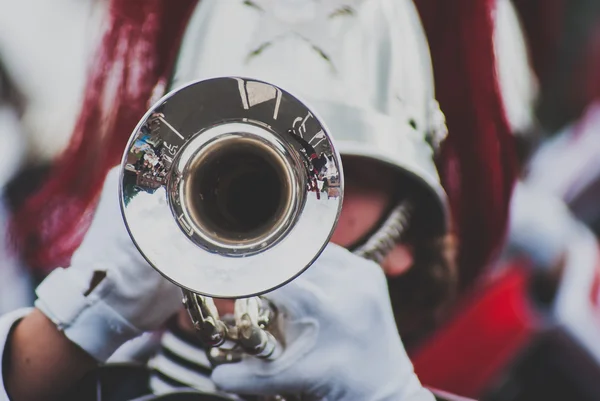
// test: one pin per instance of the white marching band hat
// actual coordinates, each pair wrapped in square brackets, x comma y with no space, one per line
[364,66]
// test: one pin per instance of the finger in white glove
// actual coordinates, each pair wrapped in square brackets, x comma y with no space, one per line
[341,340]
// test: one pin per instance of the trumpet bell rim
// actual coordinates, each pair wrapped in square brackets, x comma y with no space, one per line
[230,109]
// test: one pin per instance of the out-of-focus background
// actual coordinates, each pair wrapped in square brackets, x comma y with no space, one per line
[45,53]
[530,328]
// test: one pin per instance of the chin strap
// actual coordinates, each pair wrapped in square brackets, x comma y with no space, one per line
[377,247]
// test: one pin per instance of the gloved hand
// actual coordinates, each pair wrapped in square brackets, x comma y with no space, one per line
[110,294]
[341,339]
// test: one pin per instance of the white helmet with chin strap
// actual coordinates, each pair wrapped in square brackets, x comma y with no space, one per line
[364,66]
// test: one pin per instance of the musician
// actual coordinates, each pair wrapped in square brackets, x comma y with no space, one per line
[365,67]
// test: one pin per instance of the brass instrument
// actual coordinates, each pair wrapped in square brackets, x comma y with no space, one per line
[230,188]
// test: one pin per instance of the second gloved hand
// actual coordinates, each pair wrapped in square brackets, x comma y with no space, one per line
[341,340]
[110,294]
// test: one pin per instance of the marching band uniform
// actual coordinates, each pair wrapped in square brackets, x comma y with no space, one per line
[365,67]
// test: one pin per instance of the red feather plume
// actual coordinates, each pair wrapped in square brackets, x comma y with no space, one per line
[135,59]
[477,161]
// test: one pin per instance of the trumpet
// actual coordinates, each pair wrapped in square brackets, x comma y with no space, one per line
[230,188]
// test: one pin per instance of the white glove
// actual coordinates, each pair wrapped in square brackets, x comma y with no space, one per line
[130,299]
[341,339]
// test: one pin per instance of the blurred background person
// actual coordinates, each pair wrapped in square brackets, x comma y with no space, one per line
[532,317]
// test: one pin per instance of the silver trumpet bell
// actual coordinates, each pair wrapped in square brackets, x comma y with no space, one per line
[230,188]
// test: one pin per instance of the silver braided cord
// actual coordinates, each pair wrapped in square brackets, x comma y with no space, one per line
[391,231]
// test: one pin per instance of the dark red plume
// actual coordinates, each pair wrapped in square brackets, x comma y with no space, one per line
[134,61]
[477,161]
